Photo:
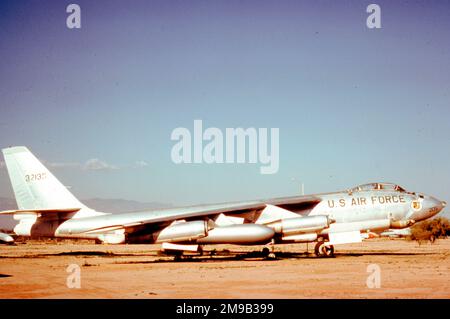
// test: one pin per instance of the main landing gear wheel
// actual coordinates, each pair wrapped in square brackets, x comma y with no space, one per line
[324,250]
[269,252]
[178,255]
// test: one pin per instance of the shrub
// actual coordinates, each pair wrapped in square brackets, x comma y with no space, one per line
[431,230]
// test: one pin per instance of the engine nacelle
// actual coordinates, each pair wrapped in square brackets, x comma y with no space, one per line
[300,238]
[300,225]
[117,237]
[184,231]
[241,234]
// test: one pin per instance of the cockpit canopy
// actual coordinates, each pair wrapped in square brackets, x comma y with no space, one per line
[378,186]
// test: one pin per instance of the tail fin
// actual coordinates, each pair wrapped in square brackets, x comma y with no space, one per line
[33,184]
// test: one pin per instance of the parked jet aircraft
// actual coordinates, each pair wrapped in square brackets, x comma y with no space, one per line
[396,233]
[390,233]
[47,208]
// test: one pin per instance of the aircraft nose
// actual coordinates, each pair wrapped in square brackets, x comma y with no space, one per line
[429,207]
[436,205]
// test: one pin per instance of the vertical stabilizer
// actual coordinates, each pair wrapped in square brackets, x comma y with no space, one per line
[34,185]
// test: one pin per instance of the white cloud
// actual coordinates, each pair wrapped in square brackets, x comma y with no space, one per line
[62,164]
[59,164]
[141,164]
[95,164]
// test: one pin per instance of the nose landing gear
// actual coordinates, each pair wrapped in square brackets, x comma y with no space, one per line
[322,249]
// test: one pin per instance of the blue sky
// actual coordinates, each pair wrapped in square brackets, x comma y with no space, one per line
[353,104]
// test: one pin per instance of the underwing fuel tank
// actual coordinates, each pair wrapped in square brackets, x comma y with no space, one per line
[185,231]
[241,234]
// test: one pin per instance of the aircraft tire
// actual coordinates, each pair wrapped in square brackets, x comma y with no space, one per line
[265,251]
[324,250]
[271,256]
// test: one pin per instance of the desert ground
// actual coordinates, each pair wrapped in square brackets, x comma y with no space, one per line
[407,270]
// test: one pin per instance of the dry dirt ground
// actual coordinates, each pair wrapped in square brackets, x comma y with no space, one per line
[407,270]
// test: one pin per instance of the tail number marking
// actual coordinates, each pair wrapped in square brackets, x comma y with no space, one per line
[35,177]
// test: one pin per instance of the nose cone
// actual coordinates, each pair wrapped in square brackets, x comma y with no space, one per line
[425,207]
[432,206]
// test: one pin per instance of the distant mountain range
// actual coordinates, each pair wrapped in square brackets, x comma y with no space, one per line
[99,204]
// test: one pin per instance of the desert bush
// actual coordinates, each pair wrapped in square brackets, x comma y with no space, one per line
[431,230]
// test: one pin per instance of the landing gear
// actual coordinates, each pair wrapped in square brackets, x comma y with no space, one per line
[178,256]
[324,250]
[269,252]
[271,256]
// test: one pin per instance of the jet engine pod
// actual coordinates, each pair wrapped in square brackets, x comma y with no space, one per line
[112,238]
[300,238]
[240,234]
[300,225]
[184,231]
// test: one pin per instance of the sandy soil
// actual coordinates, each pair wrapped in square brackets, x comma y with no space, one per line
[408,270]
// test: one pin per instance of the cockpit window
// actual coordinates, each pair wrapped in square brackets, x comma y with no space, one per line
[368,187]
[391,187]
[378,186]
